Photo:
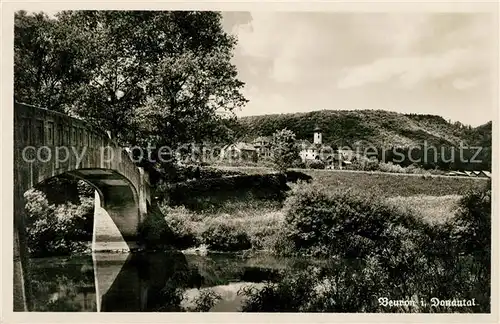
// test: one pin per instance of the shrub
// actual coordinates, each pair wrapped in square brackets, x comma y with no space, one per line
[294,176]
[344,223]
[315,164]
[225,238]
[347,286]
[394,254]
[364,163]
[84,189]
[182,236]
[390,167]
[298,164]
[207,299]
[471,237]
[161,231]
[289,295]
[212,193]
[154,231]
[56,229]
[472,224]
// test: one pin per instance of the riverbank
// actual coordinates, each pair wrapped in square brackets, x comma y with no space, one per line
[342,251]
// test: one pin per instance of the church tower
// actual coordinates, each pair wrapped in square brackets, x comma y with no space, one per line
[317,135]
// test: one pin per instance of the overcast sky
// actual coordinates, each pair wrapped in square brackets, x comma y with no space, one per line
[420,63]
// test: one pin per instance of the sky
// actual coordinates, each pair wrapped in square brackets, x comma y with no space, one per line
[430,63]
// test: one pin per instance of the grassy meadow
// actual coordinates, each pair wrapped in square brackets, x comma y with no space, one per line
[434,198]
[385,184]
[207,215]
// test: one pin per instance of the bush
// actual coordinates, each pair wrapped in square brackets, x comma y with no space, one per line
[289,295]
[154,231]
[212,193]
[375,250]
[159,231]
[195,172]
[471,238]
[207,299]
[84,189]
[344,223]
[294,176]
[472,224]
[390,167]
[56,229]
[298,164]
[225,238]
[315,164]
[354,287]
[364,163]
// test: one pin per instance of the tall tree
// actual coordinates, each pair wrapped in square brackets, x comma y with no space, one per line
[193,81]
[48,61]
[150,76]
[284,150]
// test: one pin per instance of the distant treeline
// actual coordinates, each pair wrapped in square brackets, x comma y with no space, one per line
[428,139]
[442,158]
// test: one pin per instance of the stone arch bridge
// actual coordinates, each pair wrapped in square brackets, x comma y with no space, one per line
[48,144]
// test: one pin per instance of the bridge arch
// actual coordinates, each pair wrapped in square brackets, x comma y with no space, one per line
[48,144]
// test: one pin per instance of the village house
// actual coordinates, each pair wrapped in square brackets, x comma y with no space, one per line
[239,151]
[262,145]
[260,148]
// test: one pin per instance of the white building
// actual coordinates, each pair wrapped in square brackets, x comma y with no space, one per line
[332,158]
[317,136]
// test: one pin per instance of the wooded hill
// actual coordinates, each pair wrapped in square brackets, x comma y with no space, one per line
[378,127]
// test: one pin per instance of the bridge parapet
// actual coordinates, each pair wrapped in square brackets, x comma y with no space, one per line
[53,143]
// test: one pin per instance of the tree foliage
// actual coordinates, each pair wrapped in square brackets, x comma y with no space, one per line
[56,229]
[51,61]
[160,77]
[284,150]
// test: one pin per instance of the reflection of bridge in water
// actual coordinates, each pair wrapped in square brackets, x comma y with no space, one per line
[151,282]
[48,144]
[110,282]
[139,282]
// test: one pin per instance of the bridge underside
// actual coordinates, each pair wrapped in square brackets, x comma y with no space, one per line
[119,200]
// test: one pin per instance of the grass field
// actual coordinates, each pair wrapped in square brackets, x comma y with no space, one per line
[434,199]
[384,184]
[433,209]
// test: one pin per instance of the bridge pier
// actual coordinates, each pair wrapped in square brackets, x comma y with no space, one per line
[19,287]
[117,216]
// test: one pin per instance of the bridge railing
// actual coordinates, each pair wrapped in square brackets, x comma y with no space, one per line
[50,128]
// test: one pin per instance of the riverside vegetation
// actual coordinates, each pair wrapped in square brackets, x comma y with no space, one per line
[408,238]
[415,241]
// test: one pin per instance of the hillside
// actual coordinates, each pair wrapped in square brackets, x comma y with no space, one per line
[381,128]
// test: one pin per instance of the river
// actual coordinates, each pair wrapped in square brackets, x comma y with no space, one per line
[159,281]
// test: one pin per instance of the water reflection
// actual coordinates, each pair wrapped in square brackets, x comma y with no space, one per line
[149,281]
[60,284]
